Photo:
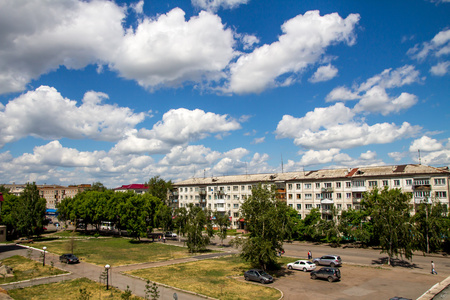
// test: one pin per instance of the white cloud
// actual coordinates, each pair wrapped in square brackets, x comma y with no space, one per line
[438,46]
[441,69]
[46,114]
[392,78]
[342,93]
[303,42]
[37,37]
[214,5]
[259,140]
[324,73]
[397,156]
[376,100]
[425,143]
[177,127]
[313,157]
[170,50]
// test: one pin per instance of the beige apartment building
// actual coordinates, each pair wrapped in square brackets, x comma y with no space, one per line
[322,189]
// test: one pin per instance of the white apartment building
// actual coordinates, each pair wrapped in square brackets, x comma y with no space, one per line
[322,189]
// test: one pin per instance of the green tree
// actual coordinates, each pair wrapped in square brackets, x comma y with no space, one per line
[265,216]
[164,217]
[97,186]
[430,223]
[30,211]
[330,228]
[158,187]
[353,225]
[390,214]
[223,222]
[8,214]
[309,227]
[181,220]
[133,216]
[196,240]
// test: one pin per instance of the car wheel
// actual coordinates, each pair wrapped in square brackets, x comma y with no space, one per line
[246,278]
[304,270]
[330,279]
[290,267]
[262,281]
[332,265]
[313,276]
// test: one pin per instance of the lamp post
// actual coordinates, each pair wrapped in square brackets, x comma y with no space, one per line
[43,261]
[107,276]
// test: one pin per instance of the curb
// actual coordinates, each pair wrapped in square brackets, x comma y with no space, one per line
[435,289]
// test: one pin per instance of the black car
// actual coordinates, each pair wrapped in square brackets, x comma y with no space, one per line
[68,259]
[331,274]
[258,275]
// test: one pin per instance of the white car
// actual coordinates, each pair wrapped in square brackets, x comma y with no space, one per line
[302,265]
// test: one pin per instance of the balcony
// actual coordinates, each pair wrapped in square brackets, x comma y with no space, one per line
[327,190]
[359,189]
[202,192]
[420,200]
[221,209]
[356,200]
[219,201]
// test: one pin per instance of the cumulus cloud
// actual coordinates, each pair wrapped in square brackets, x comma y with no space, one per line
[214,5]
[177,127]
[46,114]
[438,46]
[259,140]
[372,93]
[169,50]
[335,127]
[37,37]
[425,143]
[324,73]
[397,156]
[303,42]
[313,157]
[441,68]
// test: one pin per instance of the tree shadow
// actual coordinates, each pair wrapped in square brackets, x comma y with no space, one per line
[395,262]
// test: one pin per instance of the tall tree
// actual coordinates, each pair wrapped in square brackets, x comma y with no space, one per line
[390,214]
[97,186]
[164,217]
[30,211]
[353,226]
[159,188]
[431,225]
[181,220]
[265,216]
[330,228]
[309,227]
[223,222]
[197,219]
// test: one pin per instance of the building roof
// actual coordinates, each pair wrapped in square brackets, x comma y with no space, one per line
[134,186]
[325,174]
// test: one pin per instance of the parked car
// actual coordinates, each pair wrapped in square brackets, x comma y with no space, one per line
[24,240]
[328,260]
[303,265]
[68,258]
[258,275]
[170,234]
[331,274]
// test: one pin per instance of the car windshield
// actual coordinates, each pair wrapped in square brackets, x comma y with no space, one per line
[262,273]
[309,263]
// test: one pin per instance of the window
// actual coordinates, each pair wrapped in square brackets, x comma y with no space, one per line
[290,186]
[327,184]
[338,196]
[308,206]
[290,196]
[308,196]
[318,196]
[396,182]
[349,206]
[307,185]
[385,183]
[291,205]
[181,197]
[338,184]
[348,195]
[243,187]
[348,184]
[441,194]
[317,185]
[299,196]
[235,188]
[299,206]
[422,181]
[190,189]
[372,183]
[249,187]
[422,194]
[439,181]
[236,205]
[318,206]
[408,181]
[299,186]
[236,215]
[339,206]
[358,183]
[235,197]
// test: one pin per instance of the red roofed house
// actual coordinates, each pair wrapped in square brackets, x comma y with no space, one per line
[136,187]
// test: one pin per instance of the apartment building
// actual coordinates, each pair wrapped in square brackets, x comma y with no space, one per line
[322,189]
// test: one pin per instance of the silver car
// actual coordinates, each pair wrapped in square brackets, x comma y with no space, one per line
[328,260]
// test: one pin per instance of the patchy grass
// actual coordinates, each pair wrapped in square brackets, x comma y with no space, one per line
[24,269]
[68,290]
[116,251]
[212,277]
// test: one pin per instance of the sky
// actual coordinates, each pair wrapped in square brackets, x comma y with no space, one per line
[119,92]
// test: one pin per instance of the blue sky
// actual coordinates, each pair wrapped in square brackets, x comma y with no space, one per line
[121,91]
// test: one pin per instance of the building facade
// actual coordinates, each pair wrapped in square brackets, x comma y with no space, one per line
[322,189]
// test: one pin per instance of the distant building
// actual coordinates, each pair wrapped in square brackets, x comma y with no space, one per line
[342,188]
[135,187]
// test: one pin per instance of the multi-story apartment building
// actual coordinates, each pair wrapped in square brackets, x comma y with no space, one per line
[322,189]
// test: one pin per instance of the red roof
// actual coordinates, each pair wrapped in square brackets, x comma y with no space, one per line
[134,186]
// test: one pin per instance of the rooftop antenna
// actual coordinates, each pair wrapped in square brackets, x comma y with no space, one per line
[420,160]
[204,173]
[282,167]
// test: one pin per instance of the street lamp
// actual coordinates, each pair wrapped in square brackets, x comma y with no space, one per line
[43,261]
[107,276]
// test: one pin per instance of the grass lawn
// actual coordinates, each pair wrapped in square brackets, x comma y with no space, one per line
[24,269]
[211,277]
[69,290]
[115,251]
